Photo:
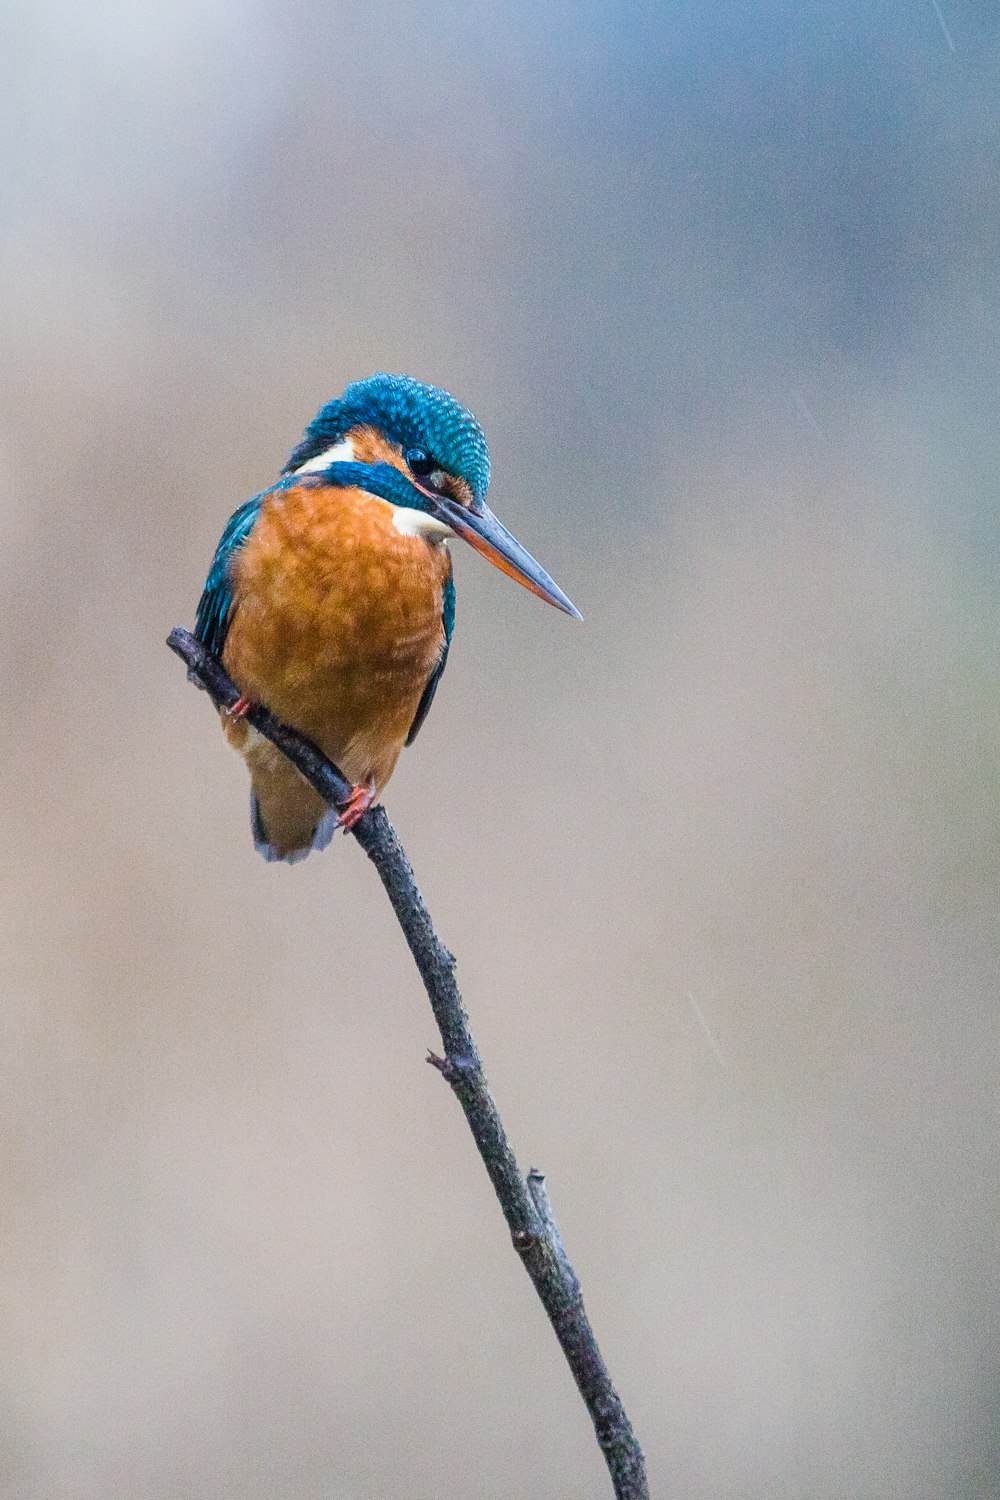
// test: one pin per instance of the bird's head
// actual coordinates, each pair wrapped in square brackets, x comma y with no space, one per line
[438,445]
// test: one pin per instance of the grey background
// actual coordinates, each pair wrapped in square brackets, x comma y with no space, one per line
[720,864]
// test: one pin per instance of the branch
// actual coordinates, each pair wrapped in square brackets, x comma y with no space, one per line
[524,1201]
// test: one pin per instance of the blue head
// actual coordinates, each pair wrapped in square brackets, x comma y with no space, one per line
[425,422]
[438,463]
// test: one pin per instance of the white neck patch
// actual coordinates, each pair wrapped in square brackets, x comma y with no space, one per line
[340,453]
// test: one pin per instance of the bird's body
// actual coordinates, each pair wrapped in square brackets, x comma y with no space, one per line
[331,599]
[338,631]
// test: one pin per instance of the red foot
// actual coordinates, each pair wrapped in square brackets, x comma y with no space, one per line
[358,802]
[240,708]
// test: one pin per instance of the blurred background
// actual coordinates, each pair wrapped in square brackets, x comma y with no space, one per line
[720,864]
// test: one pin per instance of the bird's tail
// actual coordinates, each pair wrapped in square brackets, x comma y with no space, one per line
[287,817]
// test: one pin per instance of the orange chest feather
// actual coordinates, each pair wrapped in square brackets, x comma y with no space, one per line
[338,616]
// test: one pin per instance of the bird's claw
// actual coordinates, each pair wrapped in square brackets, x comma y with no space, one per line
[358,803]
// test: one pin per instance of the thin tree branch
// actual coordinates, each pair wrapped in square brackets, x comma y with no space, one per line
[524,1201]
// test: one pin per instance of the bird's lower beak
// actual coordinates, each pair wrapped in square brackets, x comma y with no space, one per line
[481,529]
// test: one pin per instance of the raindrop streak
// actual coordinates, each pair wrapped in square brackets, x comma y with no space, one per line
[707,1030]
[944,25]
[804,411]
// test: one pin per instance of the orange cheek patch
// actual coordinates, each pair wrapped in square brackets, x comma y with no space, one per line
[457,489]
[371,447]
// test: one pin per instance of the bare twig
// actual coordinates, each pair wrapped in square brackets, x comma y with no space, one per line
[524,1201]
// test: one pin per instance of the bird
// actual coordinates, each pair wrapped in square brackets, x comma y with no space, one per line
[331,597]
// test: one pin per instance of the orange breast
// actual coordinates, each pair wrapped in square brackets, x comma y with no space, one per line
[338,623]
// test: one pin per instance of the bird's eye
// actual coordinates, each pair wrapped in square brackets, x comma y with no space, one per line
[419,461]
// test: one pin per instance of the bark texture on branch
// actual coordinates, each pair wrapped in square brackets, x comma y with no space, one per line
[524,1200]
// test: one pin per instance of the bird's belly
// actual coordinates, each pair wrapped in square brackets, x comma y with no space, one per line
[338,624]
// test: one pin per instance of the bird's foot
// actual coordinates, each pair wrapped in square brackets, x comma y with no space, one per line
[358,802]
[240,708]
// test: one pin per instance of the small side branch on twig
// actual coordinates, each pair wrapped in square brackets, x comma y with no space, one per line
[524,1201]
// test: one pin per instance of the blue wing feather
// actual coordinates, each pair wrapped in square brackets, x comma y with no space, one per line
[215,607]
[448,620]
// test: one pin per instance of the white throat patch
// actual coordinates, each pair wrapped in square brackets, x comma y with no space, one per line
[419,523]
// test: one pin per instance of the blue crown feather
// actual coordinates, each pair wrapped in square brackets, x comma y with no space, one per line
[410,413]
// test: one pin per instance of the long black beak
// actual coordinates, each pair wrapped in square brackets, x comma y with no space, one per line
[481,529]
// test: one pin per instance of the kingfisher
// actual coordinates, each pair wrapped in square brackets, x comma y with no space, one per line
[331,598]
